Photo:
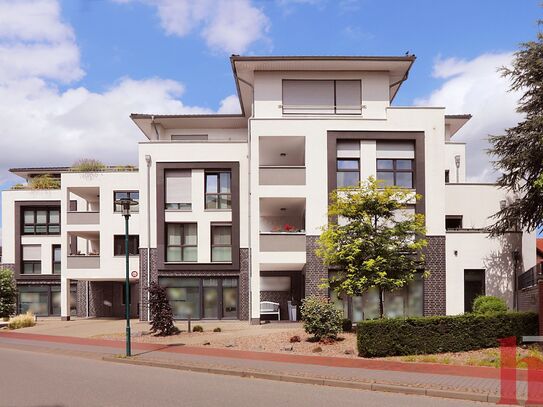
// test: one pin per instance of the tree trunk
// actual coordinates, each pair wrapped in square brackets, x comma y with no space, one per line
[381,303]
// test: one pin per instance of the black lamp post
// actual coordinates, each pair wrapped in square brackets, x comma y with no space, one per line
[126,203]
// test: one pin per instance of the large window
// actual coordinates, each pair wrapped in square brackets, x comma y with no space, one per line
[119,245]
[44,300]
[322,97]
[197,298]
[56,259]
[178,190]
[397,172]
[348,172]
[181,242]
[221,243]
[31,259]
[134,195]
[41,221]
[218,190]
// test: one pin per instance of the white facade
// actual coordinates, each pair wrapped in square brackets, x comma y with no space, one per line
[302,117]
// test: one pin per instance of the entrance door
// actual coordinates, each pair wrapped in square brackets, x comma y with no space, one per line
[474,286]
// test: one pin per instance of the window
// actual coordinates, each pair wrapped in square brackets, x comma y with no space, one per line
[41,221]
[44,300]
[56,259]
[453,222]
[209,297]
[181,242]
[31,259]
[322,97]
[221,243]
[134,195]
[398,172]
[119,245]
[348,172]
[178,189]
[474,286]
[218,190]
[447,176]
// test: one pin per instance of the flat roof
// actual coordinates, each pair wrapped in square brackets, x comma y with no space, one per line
[456,122]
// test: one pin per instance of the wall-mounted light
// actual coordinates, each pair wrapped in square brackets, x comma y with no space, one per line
[456,252]
[283,209]
[283,154]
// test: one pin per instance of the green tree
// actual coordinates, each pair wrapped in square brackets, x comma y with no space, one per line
[519,152]
[8,293]
[371,241]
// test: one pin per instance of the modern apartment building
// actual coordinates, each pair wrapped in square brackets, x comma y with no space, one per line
[231,206]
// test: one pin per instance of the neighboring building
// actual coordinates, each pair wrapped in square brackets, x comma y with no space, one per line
[231,206]
[539,244]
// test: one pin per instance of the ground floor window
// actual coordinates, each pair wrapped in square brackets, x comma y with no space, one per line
[474,286]
[202,297]
[405,302]
[44,300]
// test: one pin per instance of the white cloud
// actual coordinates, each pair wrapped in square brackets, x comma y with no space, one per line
[474,86]
[34,41]
[41,124]
[230,26]
[230,105]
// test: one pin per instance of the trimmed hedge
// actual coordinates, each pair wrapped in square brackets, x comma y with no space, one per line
[426,335]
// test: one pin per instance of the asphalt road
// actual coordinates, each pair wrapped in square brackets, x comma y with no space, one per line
[52,380]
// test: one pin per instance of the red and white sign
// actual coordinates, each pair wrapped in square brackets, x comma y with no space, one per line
[134,274]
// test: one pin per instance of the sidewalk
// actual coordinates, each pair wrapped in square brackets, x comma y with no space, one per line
[469,383]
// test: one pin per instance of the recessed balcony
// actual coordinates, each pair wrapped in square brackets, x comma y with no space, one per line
[83,218]
[84,206]
[83,262]
[282,160]
[83,250]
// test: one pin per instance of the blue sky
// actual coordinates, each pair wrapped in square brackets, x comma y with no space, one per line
[71,71]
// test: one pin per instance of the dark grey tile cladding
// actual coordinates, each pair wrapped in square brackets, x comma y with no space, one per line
[315,270]
[435,284]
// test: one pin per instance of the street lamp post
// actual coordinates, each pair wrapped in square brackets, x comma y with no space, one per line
[126,203]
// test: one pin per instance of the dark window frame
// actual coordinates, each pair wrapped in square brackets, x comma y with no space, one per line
[396,170]
[218,194]
[338,170]
[34,263]
[53,262]
[134,208]
[212,245]
[182,245]
[220,292]
[35,224]
[132,238]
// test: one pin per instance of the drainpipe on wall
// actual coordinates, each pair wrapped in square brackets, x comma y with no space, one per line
[250,260]
[148,161]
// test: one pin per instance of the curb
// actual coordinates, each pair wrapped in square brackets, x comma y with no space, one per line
[375,386]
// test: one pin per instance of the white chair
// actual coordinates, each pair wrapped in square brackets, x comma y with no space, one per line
[270,308]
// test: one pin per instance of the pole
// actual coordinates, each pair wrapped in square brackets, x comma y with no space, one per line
[127,287]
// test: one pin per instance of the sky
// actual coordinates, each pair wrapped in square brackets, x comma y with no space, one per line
[71,71]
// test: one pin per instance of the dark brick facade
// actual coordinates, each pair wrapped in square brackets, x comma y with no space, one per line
[243,274]
[105,299]
[435,284]
[315,270]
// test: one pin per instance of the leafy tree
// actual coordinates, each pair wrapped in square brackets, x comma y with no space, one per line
[8,293]
[370,241]
[519,152]
[161,311]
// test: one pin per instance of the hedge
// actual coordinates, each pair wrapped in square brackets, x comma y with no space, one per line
[426,335]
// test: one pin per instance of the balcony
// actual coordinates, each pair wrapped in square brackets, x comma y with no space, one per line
[282,242]
[282,160]
[83,262]
[83,218]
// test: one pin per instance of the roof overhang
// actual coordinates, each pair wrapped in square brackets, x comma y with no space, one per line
[456,122]
[151,124]
[244,68]
[30,172]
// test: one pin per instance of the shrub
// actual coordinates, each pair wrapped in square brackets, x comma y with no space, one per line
[427,335]
[321,318]
[22,321]
[198,328]
[18,186]
[44,182]
[295,338]
[88,165]
[8,293]
[217,329]
[347,325]
[161,311]
[486,304]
